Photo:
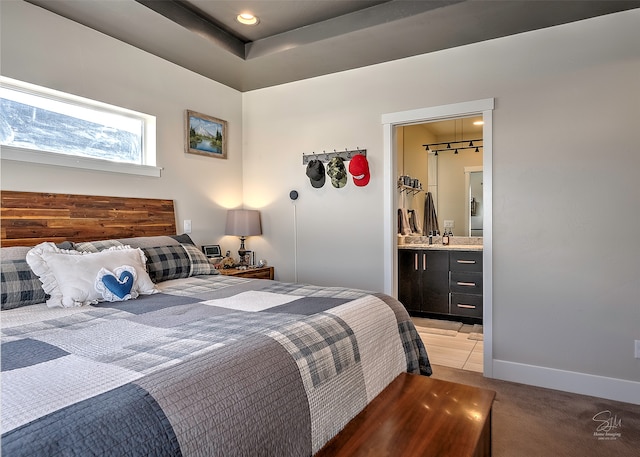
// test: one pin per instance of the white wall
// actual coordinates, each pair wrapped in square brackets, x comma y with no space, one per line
[42,48]
[566,297]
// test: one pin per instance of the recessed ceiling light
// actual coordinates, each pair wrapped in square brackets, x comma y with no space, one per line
[247,19]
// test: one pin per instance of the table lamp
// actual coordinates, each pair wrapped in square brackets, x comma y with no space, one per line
[243,223]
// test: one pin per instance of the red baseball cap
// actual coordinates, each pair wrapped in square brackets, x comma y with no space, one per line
[359,168]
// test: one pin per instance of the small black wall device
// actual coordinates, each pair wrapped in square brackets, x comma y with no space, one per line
[293,195]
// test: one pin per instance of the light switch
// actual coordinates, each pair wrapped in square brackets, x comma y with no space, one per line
[187,226]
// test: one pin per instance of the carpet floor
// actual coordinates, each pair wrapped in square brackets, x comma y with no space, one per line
[532,421]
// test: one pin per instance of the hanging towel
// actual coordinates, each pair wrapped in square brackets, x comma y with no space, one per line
[414,224]
[430,217]
[404,228]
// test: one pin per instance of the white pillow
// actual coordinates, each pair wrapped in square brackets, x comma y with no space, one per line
[69,277]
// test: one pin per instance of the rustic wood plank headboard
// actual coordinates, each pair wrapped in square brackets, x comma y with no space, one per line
[29,218]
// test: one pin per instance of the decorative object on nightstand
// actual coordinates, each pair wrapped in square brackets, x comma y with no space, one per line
[243,223]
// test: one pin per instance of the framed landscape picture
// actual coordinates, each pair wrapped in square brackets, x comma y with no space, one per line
[205,135]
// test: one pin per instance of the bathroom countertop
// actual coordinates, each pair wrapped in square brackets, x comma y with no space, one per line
[441,247]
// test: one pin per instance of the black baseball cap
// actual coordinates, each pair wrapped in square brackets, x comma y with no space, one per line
[315,172]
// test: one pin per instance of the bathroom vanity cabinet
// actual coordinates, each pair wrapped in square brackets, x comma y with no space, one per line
[441,283]
[465,283]
[424,280]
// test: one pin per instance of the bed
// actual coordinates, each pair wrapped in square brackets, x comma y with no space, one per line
[192,362]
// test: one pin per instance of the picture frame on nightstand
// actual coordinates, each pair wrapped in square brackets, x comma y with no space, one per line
[249,258]
[212,250]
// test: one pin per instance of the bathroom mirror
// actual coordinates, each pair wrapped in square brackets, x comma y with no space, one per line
[453,175]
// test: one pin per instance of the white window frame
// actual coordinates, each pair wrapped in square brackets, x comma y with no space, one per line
[148,168]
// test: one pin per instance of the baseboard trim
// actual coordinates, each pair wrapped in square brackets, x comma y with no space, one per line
[568,381]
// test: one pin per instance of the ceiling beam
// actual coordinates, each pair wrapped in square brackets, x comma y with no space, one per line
[177,12]
[342,25]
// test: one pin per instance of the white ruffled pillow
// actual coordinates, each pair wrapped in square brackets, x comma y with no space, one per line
[69,277]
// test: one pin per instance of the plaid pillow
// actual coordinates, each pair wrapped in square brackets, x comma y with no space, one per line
[200,265]
[176,261]
[96,246]
[20,286]
[167,262]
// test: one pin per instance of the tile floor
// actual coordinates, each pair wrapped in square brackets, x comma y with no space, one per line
[454,351]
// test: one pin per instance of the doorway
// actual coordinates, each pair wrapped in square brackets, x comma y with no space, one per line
[389,122]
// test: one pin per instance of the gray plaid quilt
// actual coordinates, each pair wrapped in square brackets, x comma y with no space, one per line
[211,366]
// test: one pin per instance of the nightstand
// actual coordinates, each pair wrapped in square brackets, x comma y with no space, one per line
[254,273]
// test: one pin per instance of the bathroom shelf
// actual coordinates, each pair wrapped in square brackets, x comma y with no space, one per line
[408,189]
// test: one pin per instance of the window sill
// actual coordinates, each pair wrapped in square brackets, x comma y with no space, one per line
[62,160]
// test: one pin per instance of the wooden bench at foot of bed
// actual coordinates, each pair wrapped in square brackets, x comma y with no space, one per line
[419,416]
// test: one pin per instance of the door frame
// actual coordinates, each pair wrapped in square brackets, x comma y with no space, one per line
[430,114]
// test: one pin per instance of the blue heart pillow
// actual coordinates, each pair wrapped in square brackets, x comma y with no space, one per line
[117,285]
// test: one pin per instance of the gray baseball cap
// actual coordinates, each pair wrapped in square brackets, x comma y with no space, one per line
[315,172]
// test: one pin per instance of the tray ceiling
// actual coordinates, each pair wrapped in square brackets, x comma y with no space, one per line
[299,39]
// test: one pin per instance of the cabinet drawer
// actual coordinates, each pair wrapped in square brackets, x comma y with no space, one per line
[466,305]
[465,260]
[258,274]
[466,283]
[253,273]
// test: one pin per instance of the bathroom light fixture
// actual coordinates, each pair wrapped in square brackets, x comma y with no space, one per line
[478,123]
[455,146]
[247,19]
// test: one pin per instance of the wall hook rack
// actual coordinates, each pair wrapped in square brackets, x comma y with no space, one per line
[325,156]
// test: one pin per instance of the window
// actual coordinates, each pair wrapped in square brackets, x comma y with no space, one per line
[46,126]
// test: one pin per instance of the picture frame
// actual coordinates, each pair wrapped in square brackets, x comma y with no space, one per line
[205,135]
[248,258]
[212,250]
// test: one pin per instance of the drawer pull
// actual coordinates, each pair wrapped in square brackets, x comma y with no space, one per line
[415,261]
[468,284]
[466,261]
[466,306]
[424,262]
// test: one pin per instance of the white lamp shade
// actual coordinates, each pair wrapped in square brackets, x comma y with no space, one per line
[243,222]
